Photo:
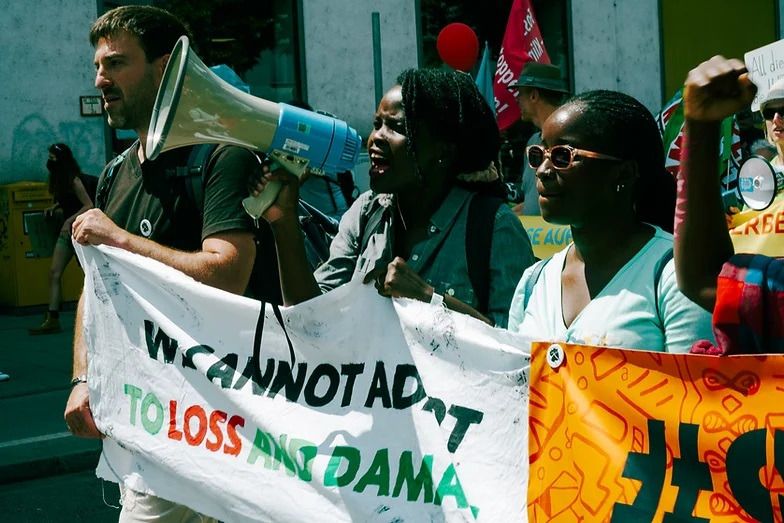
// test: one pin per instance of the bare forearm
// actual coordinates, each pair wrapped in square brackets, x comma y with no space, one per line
[210,268]
[458,306]
[702,241]
[79,346]
[297,283]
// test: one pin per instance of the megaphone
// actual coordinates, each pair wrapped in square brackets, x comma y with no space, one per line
[759,182]
[194,105]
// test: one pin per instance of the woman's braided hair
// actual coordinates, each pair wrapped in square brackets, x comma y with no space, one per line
[619,125]
[452,108]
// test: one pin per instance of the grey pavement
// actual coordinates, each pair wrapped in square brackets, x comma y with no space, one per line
[34,441]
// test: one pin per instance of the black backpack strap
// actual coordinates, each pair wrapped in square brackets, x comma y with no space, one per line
[479,238]
[328,224]
[657,275]
[318,230]
[102,188]
[194,173]
[536,271]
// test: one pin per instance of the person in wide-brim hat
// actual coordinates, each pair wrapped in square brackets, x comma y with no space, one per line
[542,76]
[541,89]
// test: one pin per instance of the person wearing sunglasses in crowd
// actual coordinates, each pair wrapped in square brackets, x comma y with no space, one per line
[745,292]
[772,109]
[431,150]
[600,170]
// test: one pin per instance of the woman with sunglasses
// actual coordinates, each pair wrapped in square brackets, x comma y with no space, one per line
[772,108]
[433,140]
[71,199]
[600,170]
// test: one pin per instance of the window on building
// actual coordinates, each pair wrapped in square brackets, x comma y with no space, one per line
[258,40]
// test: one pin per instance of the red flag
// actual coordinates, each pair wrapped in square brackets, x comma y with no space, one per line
[522,43]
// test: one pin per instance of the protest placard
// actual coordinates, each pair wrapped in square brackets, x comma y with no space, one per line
[765,65]
[348,407]
[759,232]
[624,435]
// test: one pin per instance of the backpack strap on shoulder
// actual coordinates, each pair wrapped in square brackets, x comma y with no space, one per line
[318,230]
[530,283]
[657,275]
[102,189]
[194,172]
[482,210]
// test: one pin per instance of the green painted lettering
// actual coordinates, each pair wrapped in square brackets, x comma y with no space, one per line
[352,458]
[377,474]
[261,448]
[450,486]
[152,425]
[422,482]
[136,394]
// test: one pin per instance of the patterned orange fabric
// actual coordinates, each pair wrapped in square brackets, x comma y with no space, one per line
[624,435]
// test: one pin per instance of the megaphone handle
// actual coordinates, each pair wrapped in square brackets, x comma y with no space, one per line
[256,205]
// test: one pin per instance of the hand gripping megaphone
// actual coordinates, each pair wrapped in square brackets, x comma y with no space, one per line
[194,105]
[759,182]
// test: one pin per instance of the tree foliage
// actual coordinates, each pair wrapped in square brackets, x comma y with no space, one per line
[232,32]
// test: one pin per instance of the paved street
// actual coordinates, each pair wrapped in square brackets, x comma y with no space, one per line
[45,473]
[62,498]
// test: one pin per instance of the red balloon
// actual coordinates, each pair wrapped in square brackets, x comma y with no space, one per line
[458,46]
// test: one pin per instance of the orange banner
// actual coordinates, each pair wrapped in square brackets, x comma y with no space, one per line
[622,435]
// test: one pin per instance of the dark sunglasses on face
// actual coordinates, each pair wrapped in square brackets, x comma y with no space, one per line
[769,112]
[561,156]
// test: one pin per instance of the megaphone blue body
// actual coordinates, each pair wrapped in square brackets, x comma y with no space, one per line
[328,144]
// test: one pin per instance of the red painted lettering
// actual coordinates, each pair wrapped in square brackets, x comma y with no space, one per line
[779,222]
[752,226]
[767,223]
[194,411]
[173,432]
[231,431]
[217,416]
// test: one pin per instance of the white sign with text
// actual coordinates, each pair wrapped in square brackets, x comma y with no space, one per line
[765,66]
[348,407]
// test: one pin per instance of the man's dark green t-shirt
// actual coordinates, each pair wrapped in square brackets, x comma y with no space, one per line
[148,201]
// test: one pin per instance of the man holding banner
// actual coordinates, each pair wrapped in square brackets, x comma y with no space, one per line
[141,208]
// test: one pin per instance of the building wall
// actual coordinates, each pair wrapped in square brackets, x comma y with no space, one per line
[615,45]
[682,51]
[46,65]
[338,47]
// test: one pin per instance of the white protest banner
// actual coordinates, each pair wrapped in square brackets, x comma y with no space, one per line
[362,409]
[765,65]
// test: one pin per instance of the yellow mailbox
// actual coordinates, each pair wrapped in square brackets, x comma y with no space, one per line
[26,244]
